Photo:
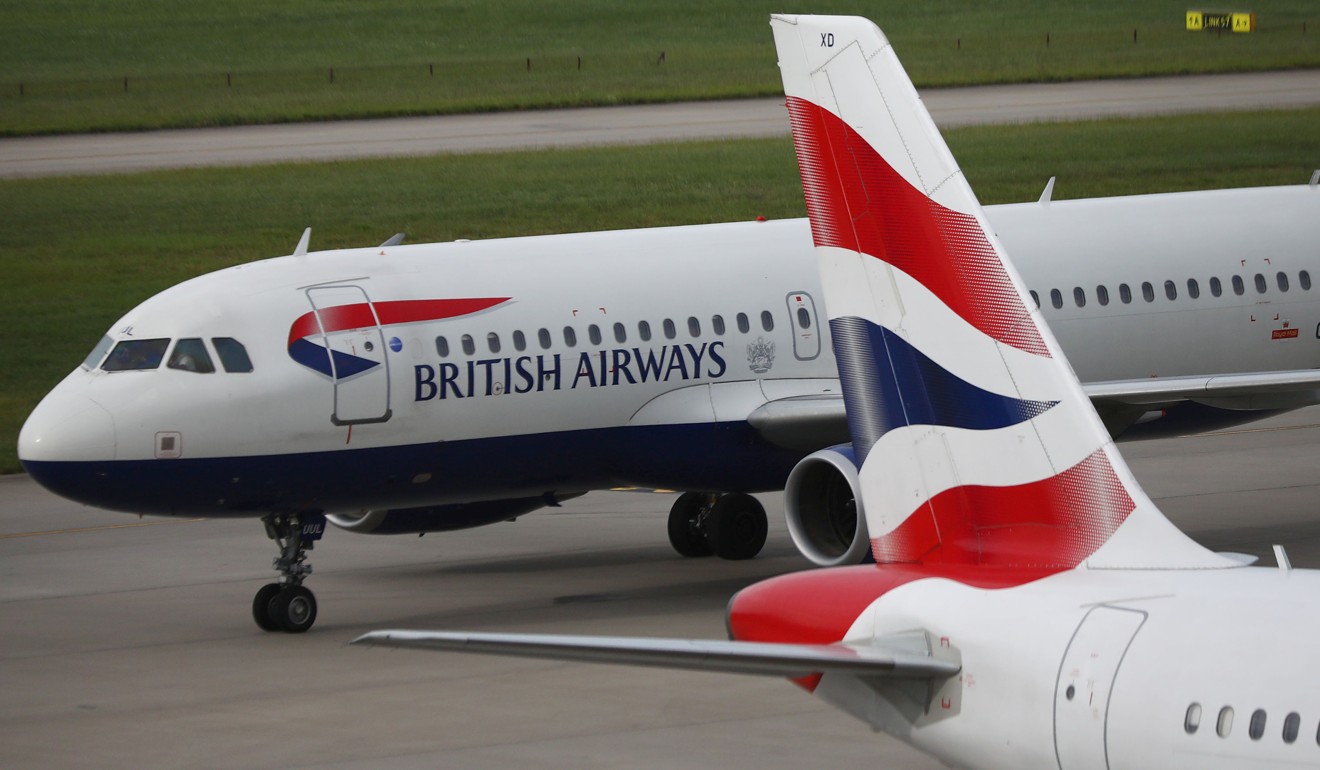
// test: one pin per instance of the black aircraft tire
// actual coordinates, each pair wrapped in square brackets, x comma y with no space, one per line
[685,532]
[261,607]
[294,609]
[736,527]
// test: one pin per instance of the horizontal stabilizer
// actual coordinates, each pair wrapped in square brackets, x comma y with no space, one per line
[901,660]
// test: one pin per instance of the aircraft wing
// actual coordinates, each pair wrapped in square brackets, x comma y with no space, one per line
[806,422]
[809,422]
[1157,390]
[905,656]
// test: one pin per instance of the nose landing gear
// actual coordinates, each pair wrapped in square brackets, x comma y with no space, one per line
[287,605]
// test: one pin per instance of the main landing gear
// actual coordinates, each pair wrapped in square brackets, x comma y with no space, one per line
[287,605]
[732,525]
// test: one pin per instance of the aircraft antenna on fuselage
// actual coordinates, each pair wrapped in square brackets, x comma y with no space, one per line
[1048,194]
[301,249]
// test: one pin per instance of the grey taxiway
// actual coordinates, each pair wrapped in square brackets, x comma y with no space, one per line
[1017,103]
[128,642]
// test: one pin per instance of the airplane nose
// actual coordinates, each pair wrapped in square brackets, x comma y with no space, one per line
[67,427]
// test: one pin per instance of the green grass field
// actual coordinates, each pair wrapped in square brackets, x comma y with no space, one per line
[79,252]
[63,63]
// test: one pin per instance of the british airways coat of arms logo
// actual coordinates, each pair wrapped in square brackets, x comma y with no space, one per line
[760,355]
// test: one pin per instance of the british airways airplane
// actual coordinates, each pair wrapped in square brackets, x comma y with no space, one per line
[421,388]
[1031,607]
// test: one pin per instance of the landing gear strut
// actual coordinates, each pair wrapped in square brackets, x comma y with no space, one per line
[287,605]
[732,526]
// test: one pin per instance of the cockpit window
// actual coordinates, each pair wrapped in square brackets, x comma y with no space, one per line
[136,355]
[190,356]
[233,356]
[98,353]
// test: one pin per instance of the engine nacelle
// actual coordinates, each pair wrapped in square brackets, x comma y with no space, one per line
[439,518]
[823,505]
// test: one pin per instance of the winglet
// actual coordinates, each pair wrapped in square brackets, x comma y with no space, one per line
[975,440]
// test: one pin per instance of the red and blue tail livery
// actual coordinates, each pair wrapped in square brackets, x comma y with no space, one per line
[975,444]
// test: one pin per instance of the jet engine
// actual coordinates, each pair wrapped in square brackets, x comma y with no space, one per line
[439,518]
[824,511]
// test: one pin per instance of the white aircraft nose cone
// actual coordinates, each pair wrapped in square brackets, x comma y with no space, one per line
[67,427]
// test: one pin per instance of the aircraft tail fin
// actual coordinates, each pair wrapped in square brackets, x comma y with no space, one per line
[975,440]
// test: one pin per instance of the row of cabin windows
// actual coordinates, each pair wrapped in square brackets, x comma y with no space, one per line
[1292,724]
[1171,289]
[668,328]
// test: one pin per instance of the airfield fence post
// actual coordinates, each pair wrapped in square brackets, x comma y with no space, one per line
[579,63]
[125,84]
[1134,35]
[229,79]
[431,68]
[529,64]
[332,74]
[959,44]
[1047,40]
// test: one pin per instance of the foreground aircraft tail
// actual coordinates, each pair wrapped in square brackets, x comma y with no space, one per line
[975,442]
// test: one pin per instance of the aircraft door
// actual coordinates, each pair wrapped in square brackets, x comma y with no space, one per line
[355,344]
[806,331]
[1085,683]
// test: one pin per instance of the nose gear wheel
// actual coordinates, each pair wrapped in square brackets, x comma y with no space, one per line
[287,605]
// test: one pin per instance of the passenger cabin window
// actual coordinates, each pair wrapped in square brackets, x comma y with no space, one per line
[1079,296]
[593,334]
[1125,293]
[671,331]
[694,327]
[570,336]
[1035,297]
[1102,295]
[189,355]
[1193,288]
[469,347]
[803,318]
[1238,287]
[1224,725]
[543,338]
[1291,726]
[95,357]
[1260,284]
[1171,290]
[441,347]
[234,357]
[136,355]
[1056,298]
[1216,288]
[767,321]
[519,341]
[745,325]
[1304,278]
[644,331]
[1282,278]
[717,323]
[1192,722]
[493,342]
[620,333]
[1257,727]
[1147,291]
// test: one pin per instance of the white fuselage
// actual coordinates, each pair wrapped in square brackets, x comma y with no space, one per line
[557,387]
[1108,669]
